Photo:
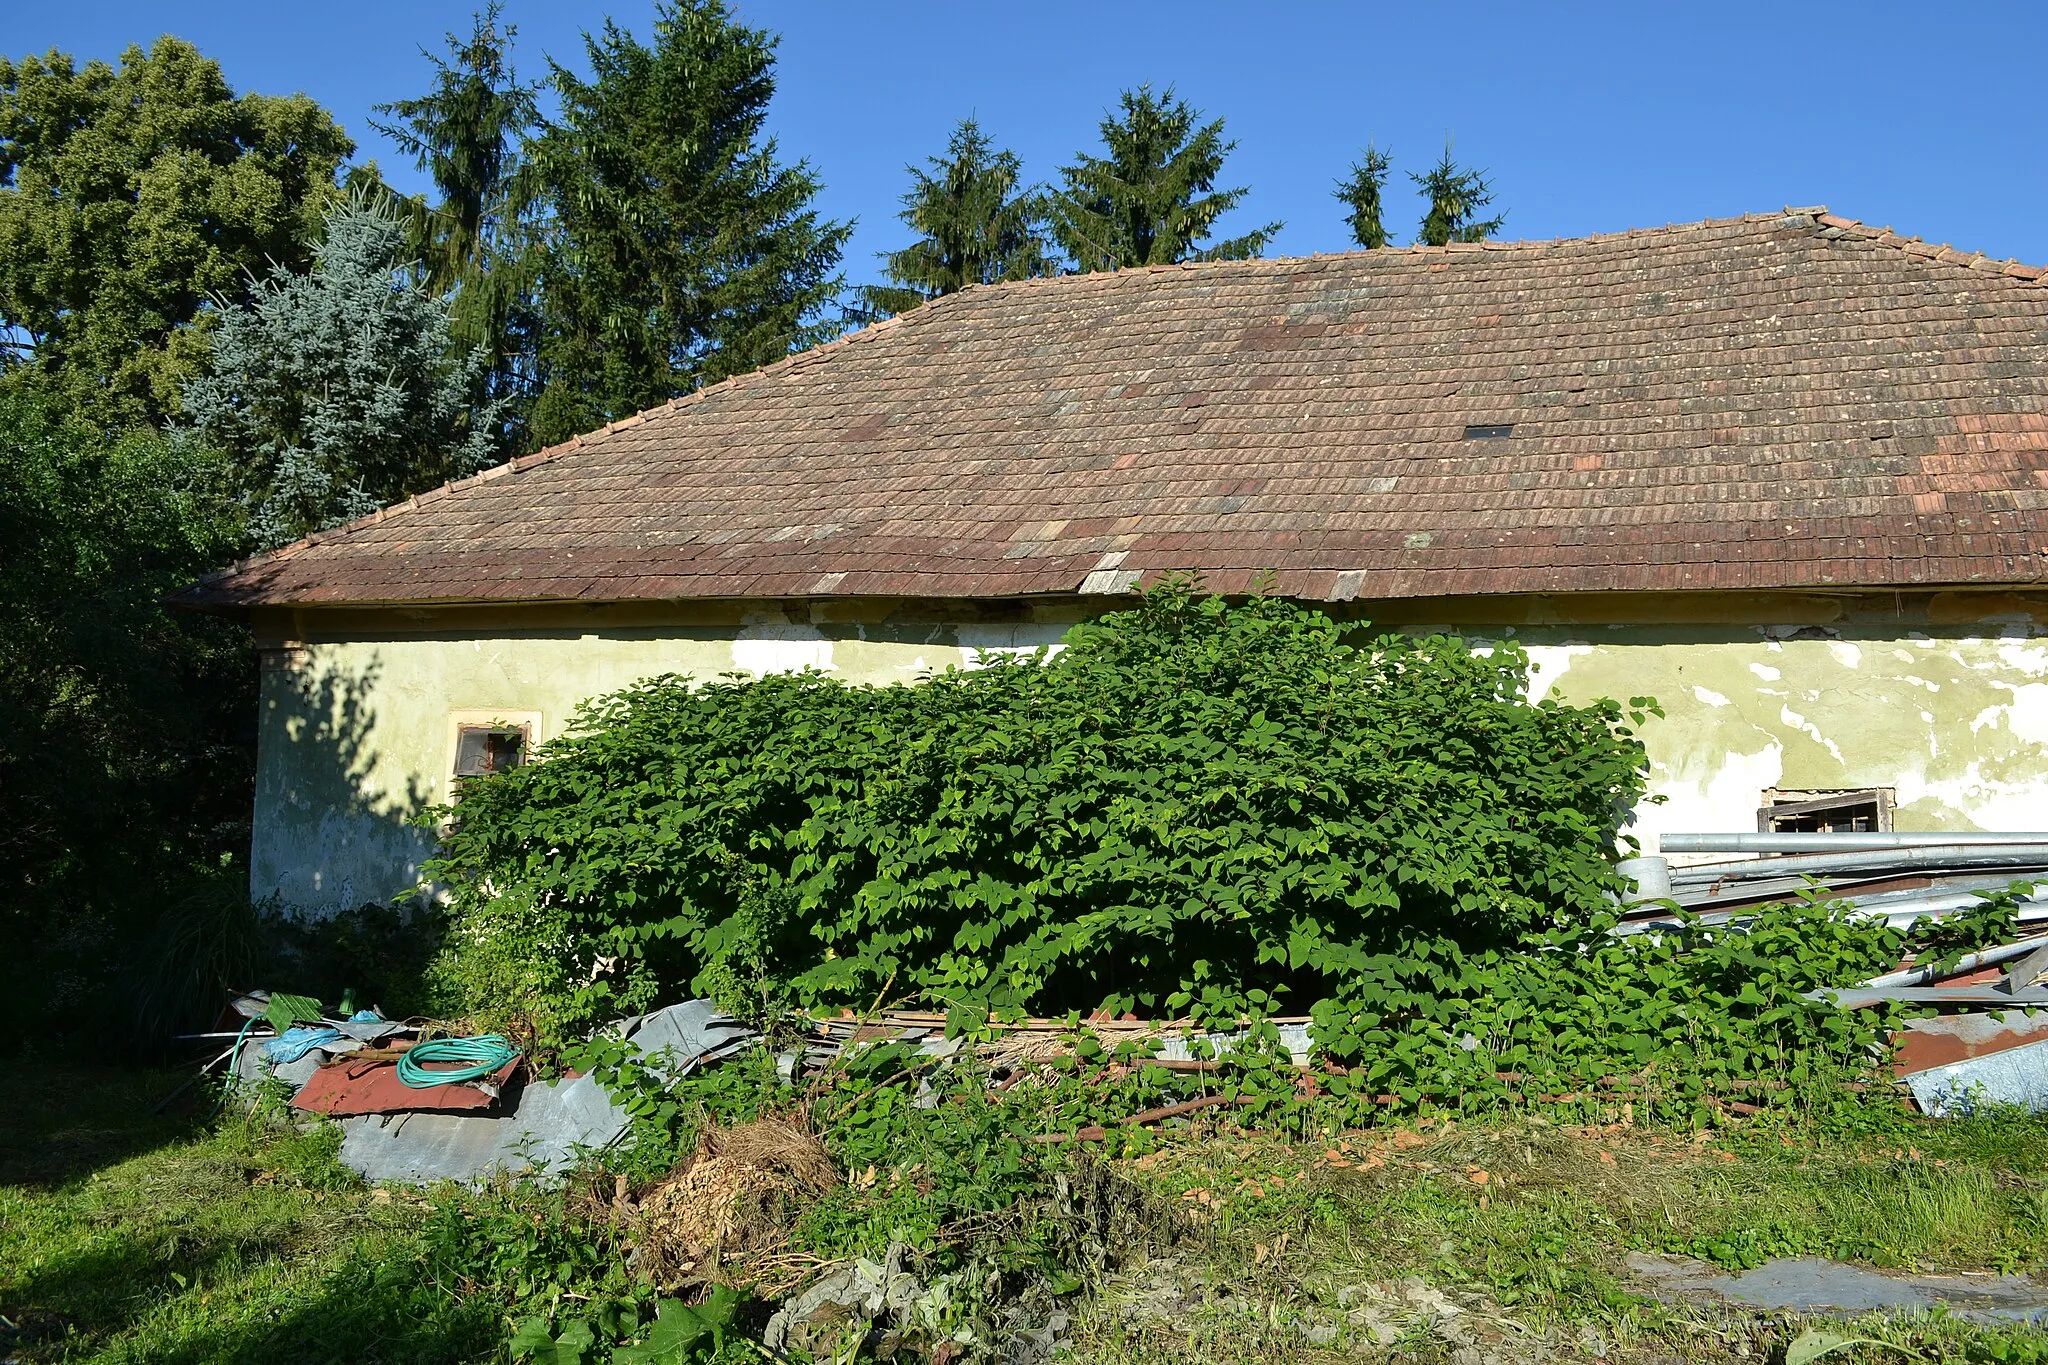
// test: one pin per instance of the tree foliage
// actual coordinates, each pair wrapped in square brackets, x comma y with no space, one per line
[125,746]
[1456,195]
[677,248]
[335,392]
[131,196]
[1193,796]
[1364,191]
[1151,199]
[979,225]
[467,132]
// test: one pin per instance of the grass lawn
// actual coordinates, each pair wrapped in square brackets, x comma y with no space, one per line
[129,1237]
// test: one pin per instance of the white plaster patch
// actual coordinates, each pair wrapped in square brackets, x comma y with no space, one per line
[978,642]
[1801,723]
[1548,663]
[1920,682]
[1903,656]
[1846,654]
[1766,672]
[1709,697]
[1981,802]
[2030,659]
[765,647]
[2027,717]
[1724,798]
[1989,716]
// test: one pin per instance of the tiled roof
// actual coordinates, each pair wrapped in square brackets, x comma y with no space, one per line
[1781,401]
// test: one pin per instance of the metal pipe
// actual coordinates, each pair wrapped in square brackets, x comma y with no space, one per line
[1942,856]
[1900,912]
[1894,915]
[1969,962]
[1834,843]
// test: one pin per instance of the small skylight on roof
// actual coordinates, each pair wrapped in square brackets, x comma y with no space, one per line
[1489,433]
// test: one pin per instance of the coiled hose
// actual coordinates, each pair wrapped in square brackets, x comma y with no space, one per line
[480,1056]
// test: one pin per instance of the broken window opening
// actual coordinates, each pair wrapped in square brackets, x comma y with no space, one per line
[481,750]
[1865,810]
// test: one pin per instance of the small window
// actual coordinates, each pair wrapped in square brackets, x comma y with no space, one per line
[1489,433]
[1865,810]
[484,749]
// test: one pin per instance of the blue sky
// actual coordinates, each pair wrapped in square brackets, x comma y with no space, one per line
[1591,118]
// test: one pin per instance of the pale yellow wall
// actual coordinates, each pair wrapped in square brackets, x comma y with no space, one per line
[357,734]
[1947,705]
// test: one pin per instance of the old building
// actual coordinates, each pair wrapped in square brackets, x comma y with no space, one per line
[1787,474]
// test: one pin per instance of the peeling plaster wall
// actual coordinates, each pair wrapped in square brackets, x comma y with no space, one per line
[1953,718]
[1946,705]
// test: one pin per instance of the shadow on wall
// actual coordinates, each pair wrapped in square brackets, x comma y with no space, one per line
[332,831]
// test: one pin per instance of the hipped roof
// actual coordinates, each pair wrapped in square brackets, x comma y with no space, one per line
[1780,401]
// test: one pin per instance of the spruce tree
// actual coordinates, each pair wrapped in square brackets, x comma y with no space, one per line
[1456,196]
[978,226]
[679,249]
[338,391]
[1365,191]
[466,133]
[1152,199]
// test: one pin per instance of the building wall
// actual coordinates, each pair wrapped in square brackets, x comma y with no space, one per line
[1943,699]
[359,710]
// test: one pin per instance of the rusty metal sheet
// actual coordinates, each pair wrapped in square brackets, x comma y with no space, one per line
[1927,1043]
[1964,1063]
[373,1087]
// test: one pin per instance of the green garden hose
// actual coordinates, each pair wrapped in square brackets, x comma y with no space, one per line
[482,1054]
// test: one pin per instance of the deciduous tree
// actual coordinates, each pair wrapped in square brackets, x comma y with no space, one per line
[130,196]
[126,750]
[1151,199]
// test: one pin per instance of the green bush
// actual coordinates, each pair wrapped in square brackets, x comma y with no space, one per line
[1195,799]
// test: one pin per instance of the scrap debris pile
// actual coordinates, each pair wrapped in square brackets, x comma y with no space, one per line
[415,1107]
[488,1116]
[1985,1047]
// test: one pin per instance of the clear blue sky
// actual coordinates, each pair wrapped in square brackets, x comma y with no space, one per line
[1591,118]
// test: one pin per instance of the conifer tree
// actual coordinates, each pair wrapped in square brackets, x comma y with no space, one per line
[1152,199]
[337,391]
[978,226]
[466,133]
[1365,191]
[678,247]
[1456,195]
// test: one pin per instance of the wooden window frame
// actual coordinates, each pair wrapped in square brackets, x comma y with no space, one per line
[1778,805]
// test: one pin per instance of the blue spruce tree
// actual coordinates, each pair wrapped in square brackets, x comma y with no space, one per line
[337,391]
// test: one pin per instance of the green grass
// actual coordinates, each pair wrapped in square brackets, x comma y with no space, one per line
[125,1236]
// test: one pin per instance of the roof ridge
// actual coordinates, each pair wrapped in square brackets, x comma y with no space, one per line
[1833,224]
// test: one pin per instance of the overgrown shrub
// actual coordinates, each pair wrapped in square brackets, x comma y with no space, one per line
[1196,798]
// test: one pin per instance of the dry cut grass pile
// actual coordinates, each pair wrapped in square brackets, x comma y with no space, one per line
[740,1192]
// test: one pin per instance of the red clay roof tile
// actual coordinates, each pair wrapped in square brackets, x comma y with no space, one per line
[1777,401]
